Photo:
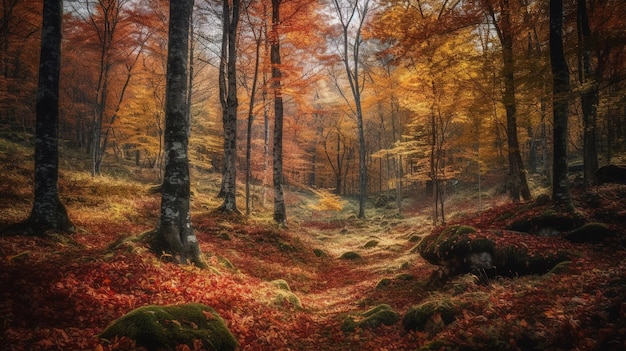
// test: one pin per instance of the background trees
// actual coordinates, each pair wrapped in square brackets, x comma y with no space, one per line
[437,83]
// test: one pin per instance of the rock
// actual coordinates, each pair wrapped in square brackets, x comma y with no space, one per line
[287,299]
[166,327]
[589,233]
[320,253]
[461,249]
[350,255]
[370,244]
[372,318]
[611,174]
[542,199]
[281,284]
[430,316]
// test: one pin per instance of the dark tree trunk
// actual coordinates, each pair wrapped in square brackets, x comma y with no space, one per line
[255,80]
[174,234]
[280,213]
[48,212]
[588,96]
[229,105]
[560,96]
[518,184]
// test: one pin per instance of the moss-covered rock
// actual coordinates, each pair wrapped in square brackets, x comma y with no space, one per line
[351,255]
[550,222]
[589,233]
[430,316]
[281,284]
[165,327]
[371,244]
[285,298]
[384,282]
[372,318]
[462,249]
[320,253]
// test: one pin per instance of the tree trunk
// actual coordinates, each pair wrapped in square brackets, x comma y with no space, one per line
[229,180]
[280,213]
[48,212]
[255,80]
[174,234]
[560,96]
[517,174]
[588,96]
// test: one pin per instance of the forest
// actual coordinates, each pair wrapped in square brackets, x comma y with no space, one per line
[312,175]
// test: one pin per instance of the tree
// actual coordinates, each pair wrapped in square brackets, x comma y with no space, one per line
[174,234]
[48,212]
[229,102]
[109,33]
[280,212]
[356,11]
[517,183]
[589,95]
[560,105]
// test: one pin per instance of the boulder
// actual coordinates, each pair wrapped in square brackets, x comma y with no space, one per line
[372,318]
[463,249]
[611,174]
[589,233]
[430,316]
[166,327]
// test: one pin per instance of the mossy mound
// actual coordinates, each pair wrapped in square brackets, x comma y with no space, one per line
[281,284]
[351,255]
[371,244]
[287,299]
[320,253]
[165,327]
[430,316]
[550,221]
[463,249]
[372,318]
[589,233]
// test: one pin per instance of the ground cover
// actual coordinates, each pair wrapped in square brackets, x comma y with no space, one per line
[59,292]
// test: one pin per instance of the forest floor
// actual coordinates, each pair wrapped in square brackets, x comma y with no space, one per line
[58,292]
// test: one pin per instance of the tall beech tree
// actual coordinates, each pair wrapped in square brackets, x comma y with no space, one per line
[229,102]
[589,93]
[174,234]
[48,212]
[560,105]
[352,15]
[280,212]
[517,183]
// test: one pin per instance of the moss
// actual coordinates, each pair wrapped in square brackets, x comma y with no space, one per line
[165,327]
[561,267]
[350,255]
[372,318]
[422,317]
[281,284]
[452,243]
[590,232]
[383,283]
[371,244]
[405,276]
[320,253]
[287,299]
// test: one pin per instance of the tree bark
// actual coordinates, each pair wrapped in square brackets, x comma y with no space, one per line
[229,180]
[174,234]
[48,213]
[560,96]
[518,185]
[588,96]
[280,213]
